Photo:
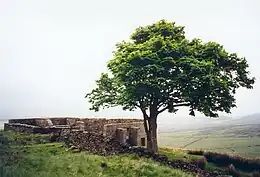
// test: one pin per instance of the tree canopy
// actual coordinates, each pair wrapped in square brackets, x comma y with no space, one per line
[159,65]
[159,69]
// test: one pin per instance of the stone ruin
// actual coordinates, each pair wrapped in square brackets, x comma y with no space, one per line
[125,131]
[100,136]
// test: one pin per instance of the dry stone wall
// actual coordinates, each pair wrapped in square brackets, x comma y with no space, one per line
[110,129]
[97,124]
[31,128]
[19,127]
[23,121]
[64,120]
[93,124]
[59,121]
[41,122]
[103,126]
[92,142]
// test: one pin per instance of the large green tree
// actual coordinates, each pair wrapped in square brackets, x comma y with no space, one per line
[159,70]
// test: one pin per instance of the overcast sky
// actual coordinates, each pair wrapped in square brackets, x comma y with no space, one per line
[52,51]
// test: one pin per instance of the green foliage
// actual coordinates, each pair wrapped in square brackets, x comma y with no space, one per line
[25,138]
[195,152]
[222,159]
[11,145]
[160,68]
[201,163]
[232,171]
[245,164]
[178,155]
[256,174]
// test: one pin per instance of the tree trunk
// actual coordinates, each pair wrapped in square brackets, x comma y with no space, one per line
[151,134]
[153,131]
[150,125]
[148,134]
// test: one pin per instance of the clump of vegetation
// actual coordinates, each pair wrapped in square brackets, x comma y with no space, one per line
[242,163]
[12,144]
[200,162]
[195,152]
[232,171]
[256,174]
[245,164]
[26,138]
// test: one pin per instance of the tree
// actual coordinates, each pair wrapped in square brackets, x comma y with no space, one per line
[158,69]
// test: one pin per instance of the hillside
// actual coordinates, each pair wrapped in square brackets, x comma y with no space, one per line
[249,119]
[199,123]
[41,158]
[30,155]
[239,136]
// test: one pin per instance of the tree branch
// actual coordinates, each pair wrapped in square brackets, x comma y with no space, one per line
[160,105]
[177,105]
[163,109]
[146,117]
[182,104]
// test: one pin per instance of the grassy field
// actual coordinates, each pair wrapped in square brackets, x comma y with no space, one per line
[33,155]
[235,140]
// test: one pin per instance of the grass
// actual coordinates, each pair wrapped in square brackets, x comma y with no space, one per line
[24,155]
[180,154]
[216,141]
[27,155]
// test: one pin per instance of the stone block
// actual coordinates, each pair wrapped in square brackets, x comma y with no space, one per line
[133,136]
[121,135]
[43,122]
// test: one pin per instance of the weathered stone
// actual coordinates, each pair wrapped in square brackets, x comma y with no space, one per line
[43,122]
[91,142]
[19,127]
[72,147]
[75,150]
[108,127]
[121,135]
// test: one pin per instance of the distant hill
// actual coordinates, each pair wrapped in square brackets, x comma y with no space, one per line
[192,123]
[249,119]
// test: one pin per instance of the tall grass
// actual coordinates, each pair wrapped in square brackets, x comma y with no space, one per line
[221,159]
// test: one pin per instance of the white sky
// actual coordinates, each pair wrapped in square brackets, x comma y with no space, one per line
[52,51]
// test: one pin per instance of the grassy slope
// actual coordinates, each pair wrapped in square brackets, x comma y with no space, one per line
[26,156]
[179,154]
[32,155]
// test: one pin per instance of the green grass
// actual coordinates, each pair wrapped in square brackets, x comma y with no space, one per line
[27,155]
[216,141]
[24,156]
[178,154]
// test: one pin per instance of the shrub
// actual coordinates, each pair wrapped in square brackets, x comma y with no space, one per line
[256,174]
[232,171]
[242,163]
[200,163]
[195,152]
